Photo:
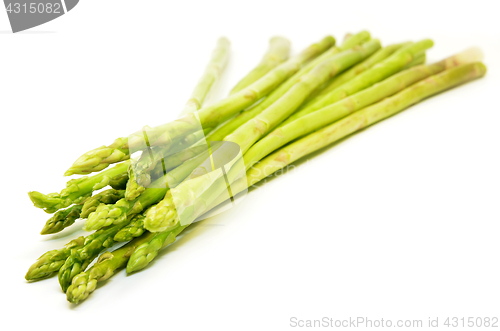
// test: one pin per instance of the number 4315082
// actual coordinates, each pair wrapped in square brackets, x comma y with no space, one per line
[34,8]
[472,322]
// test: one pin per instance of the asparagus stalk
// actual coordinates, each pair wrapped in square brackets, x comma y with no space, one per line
[62,219]
[52,261]
[234,123]
[278,52]
[77,190]
[212,73]
[85,283]
[211,116]
[253,130]
[364,118]
[318,119]
[380,71]
[80,258]
[346,76]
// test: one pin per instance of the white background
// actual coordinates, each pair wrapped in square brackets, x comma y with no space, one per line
[400,221]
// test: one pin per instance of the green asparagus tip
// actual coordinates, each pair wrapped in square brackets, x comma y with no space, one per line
[98,159]
[141,258]
[69,172]
[62,219]
[48,229]
[129,233]
[124,235]
[81,287]
[133,190]
[42,200]
[83,165]
[103,216]
[36,272]
[44,267]
[161,217]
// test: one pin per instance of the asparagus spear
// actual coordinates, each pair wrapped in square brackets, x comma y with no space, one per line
[247,134]
[211,116]
[77,190]
[212,73]
[380,71]
[85,283]
[316,120]
[234,123]
[364,118]
[52,261]
[62,219]
[100,158]
[279,50]
[80,258]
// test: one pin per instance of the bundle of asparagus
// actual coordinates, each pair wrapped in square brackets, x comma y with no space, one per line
[283,110]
